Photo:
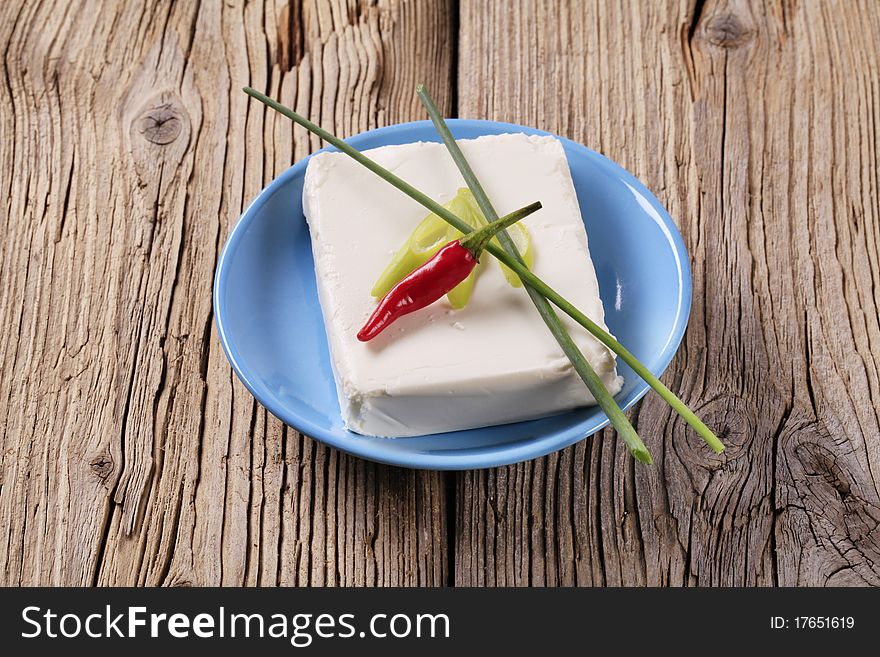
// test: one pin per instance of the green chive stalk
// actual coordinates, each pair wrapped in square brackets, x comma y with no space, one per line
[601,334]
[581,365]
[525,274]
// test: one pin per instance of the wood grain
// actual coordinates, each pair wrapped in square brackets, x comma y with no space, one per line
[756,125]
[130,452]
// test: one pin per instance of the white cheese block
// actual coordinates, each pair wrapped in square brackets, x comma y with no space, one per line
[441,369]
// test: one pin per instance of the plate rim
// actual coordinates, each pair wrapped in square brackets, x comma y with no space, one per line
[506,453]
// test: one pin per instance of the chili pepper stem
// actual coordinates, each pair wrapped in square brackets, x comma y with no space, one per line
[476,240]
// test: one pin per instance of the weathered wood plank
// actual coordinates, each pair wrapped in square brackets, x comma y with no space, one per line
[130,453]
[757,127]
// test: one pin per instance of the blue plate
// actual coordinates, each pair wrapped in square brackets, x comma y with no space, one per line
[270,324]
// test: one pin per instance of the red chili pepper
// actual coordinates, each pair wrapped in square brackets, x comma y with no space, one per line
[421,287]
[446,269]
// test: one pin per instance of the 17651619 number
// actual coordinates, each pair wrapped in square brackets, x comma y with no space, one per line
[824,622]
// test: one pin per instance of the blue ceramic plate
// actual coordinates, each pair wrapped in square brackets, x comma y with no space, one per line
[270,324]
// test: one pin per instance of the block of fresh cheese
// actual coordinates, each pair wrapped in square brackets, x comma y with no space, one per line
[440,369]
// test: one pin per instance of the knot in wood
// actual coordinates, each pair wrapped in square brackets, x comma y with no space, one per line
[727,31]
[161,124]
[734,422]
[102,466]
[824,470]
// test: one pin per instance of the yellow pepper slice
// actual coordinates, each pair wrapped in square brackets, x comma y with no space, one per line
[427,238]
[463,206]
[523,241]
[424,242]
[432,233]
[518,233]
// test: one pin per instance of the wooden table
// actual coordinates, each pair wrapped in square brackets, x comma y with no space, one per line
[132,455]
